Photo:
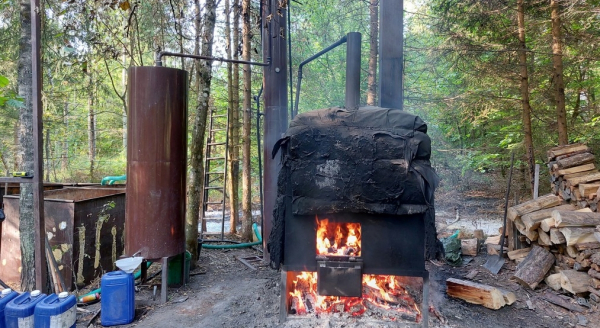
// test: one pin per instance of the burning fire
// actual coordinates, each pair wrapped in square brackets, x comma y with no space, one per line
[383,296]
[338,239]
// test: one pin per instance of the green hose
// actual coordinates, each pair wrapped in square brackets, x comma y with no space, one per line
[111,179]
[256,232]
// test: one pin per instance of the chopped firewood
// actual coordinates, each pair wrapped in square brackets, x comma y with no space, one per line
[575,219]
[356,308]
[594,291]
[584,265]
[576,169]
[495,240]
[533,220]
[554,152]
[519,253]
[577,160]
[296,306]
[595,283]
[577,175]
[488,296]
[478,233]
[469,246]
[531,234]
[562,303]
[556,237]
[594,274]
[534,267]
[495,249]
[543,238]
[583,246]
[565,262]
[574,182]
[595,258]
[597,233]
[547,224]
[594,266]
[586,254]
[574,235]
[572,251]
[586,189]
[553,281]
[574,281]
[533,205]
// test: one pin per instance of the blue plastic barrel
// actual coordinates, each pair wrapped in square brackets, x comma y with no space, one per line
[118,302]
[6,296]
[56,311]
[19,312]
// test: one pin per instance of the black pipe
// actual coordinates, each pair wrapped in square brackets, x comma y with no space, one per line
[353,71]
[260,173]
[161,54]
[313,57]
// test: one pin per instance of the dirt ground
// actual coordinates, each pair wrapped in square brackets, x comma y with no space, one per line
[223,292]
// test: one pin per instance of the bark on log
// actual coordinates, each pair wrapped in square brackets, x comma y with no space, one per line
[534,268]
[577,160]
[594,274]
[595,258]
[488,296]
[562,303]
[574,182]
[556,237]
[575,219]
[574,281]
[533,205]
[575,235]
[565,262]
[533,220]
[583,246]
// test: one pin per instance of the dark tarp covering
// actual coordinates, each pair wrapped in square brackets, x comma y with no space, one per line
[372,160]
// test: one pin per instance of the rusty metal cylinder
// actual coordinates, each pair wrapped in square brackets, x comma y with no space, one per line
[156,162]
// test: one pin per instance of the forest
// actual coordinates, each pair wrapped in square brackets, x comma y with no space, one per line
[490,77]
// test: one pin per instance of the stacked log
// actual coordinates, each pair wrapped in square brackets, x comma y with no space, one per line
[562,229]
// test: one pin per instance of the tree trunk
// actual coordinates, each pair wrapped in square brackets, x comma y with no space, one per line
[373,50]
[25,161]
[247,126]
[204,32]
[527,131]
[233,166]
[561,113]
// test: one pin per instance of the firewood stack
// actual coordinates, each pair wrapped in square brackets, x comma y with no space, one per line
[562,229]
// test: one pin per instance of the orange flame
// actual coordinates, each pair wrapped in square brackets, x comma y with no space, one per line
[345,237]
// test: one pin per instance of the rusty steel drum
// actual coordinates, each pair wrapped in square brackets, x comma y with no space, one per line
[156,162]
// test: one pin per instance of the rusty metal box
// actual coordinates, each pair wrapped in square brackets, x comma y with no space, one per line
[84,227]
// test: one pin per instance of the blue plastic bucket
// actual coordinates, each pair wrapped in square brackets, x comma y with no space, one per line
[19,312]
[6,296]
[56,311]
[118,301]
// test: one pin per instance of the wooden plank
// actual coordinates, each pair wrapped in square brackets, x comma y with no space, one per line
[533,205]
[554,299]
[471,292]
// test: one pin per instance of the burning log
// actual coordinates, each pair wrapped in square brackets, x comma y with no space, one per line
[296,305]
[390,313]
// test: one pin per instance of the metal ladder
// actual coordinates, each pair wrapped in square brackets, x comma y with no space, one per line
[215,166]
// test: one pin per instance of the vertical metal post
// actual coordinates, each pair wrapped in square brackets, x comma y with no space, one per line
[390,53]
[276,101]
[353,70]
[536,181]
[41,268]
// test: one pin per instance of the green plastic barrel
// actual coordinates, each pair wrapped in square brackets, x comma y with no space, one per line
[174,278]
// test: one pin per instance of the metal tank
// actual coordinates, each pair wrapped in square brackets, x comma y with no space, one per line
[156,162]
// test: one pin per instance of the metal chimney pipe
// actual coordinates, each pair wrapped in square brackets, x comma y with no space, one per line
[391,53]
[353,70]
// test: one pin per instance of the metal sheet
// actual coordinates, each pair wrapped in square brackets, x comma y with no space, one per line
[391,59]
[156,162]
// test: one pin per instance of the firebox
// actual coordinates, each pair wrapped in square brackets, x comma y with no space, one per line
[354,217]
